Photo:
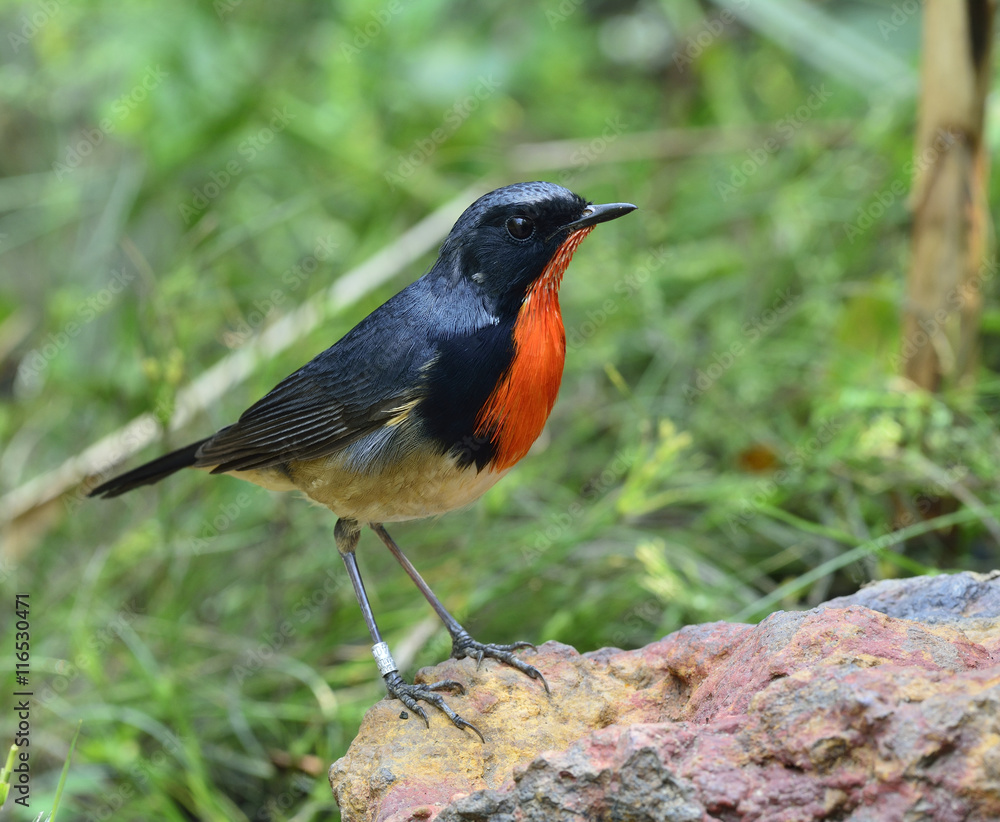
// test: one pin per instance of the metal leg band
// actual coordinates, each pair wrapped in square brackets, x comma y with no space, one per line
[386,664]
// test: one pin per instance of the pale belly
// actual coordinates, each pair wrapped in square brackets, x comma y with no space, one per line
[416,487]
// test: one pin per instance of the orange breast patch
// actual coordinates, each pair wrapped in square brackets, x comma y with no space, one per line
[516,411]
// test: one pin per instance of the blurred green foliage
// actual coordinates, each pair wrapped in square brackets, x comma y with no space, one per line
[731,434]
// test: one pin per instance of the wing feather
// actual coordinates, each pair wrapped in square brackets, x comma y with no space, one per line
[371,379]
[344,394]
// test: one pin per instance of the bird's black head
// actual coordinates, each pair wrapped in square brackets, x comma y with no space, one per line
[505,239]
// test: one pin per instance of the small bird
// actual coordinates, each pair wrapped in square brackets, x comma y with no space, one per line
[425,404]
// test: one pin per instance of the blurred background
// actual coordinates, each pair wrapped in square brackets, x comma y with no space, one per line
[225,188]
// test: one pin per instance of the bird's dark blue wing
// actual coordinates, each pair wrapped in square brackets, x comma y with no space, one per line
[371,375]
[351,389]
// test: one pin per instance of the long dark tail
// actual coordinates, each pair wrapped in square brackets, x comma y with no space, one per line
[150,472]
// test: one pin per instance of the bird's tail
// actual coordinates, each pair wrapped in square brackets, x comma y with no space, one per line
[150,472]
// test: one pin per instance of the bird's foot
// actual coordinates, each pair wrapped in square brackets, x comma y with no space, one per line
[409,694]
[463,645]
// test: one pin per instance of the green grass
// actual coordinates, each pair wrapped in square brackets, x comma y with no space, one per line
[731,436]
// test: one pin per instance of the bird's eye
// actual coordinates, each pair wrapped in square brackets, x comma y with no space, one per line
[520,228]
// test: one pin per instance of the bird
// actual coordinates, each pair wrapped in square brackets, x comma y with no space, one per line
[424,405]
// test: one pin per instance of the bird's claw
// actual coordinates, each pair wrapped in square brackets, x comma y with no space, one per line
[409,694]
[464,645]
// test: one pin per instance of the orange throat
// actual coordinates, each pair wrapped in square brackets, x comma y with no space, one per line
[515,413]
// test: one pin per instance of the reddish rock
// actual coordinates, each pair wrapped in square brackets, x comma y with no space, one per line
[840,713]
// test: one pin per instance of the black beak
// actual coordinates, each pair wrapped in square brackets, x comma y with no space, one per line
[594,214]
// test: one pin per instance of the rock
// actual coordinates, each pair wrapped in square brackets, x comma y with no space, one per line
[970,602]
[870,708]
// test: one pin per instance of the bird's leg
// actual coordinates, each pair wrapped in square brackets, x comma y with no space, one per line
[346,534]
[462,645]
